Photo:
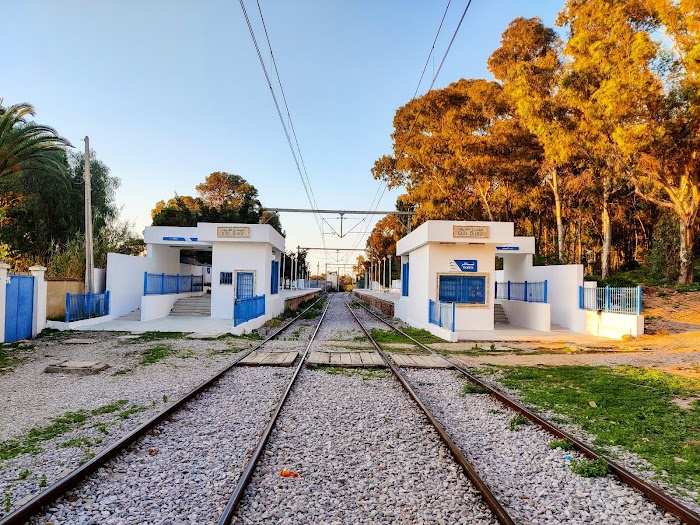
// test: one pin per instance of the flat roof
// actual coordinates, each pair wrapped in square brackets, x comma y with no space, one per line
[206,234]
[457,232]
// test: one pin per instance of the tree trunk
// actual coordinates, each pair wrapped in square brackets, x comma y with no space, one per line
[686,253]
[554,184]
[607,232]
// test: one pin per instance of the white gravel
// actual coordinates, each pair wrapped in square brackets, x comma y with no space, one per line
[364,454]
[32,398]
[533,482]
[195,459]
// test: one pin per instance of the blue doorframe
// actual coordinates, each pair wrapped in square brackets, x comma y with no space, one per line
[19,307]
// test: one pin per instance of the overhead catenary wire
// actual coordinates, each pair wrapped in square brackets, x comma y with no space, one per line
[420,108]
[298,159]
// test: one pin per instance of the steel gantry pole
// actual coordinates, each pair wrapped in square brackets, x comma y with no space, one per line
[89,261]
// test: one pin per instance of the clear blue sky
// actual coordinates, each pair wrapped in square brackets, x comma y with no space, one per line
[172,90]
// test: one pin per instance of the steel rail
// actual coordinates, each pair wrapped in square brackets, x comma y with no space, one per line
[247,474]
[490,500]
[651,491]
[63,485]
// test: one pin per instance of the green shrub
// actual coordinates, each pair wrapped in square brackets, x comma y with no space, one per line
[563,444]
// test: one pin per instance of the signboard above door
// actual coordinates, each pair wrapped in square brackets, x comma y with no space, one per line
[466,265]
[470,232]
[233,232]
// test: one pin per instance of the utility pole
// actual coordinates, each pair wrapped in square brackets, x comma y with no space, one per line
[89,262]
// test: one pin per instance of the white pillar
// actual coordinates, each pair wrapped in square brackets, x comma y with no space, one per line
[4,267]
[40,291]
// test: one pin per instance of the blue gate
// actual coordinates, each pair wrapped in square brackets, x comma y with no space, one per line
[19,308]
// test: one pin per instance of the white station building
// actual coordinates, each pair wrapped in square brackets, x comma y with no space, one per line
[244,274]
[450,285]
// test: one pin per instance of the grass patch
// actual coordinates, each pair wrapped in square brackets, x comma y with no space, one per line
[148,337]
[76,443]
[517,421]
[156,353]
[108,409]
[24,474]
[473,388]
[365,373]
[122,372]
[392,336]
[133,409]
[628,407]
[563,444]
[589,468]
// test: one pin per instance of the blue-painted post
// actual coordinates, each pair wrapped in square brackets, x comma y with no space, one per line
[580,297]
[525,298]
[496,291]
[107,302]
[607,298]
[639,300]
[545,290]
[509,290]
[177,283]
[453,317]
[162,283]
[145,283]
[89,304]
[67,307]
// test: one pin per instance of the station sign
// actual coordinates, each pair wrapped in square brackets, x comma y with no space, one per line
[508,248]
[470,232]
[233,232]
[466,265]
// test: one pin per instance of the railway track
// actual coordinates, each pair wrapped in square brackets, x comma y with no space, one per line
[218,388]
[338,432]
[500,399]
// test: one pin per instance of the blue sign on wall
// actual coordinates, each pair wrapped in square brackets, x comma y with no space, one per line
[508,248]
[466,265]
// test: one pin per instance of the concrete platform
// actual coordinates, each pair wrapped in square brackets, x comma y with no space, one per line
[261,358]
[419,361]
[82,368]
[345,359]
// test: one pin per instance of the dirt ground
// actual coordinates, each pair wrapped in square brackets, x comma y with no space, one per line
[671,342]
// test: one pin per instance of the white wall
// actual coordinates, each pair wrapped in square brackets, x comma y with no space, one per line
[233,257]
[614,325]
[535,316]
[425,263]
[125,281]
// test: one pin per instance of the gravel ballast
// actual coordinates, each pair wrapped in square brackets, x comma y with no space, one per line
[532,481]
[364,454]
[184,470]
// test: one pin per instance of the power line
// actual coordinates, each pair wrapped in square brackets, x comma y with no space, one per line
[307,188]
[435,76]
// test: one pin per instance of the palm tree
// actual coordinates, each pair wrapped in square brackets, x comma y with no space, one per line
[22,141]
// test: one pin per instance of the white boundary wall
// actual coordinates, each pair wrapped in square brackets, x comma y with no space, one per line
[157,306]
[535,316]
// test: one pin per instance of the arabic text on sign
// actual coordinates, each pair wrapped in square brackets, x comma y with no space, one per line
[232,232]
[471,232]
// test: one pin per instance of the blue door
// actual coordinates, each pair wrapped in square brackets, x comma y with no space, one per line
[19,308]
[244,285]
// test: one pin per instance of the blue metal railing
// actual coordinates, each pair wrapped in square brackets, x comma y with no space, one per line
[531,292]
[442,314]
[618,300]
[164,283]
[86,305]
[248,308]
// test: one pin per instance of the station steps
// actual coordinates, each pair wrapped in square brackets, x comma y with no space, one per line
[192,307]
[499,314]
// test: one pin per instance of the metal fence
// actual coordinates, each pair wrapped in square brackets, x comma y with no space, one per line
[248,308]
[609,299]
[442,314]
[163,283]
[531,292]
[86,305]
